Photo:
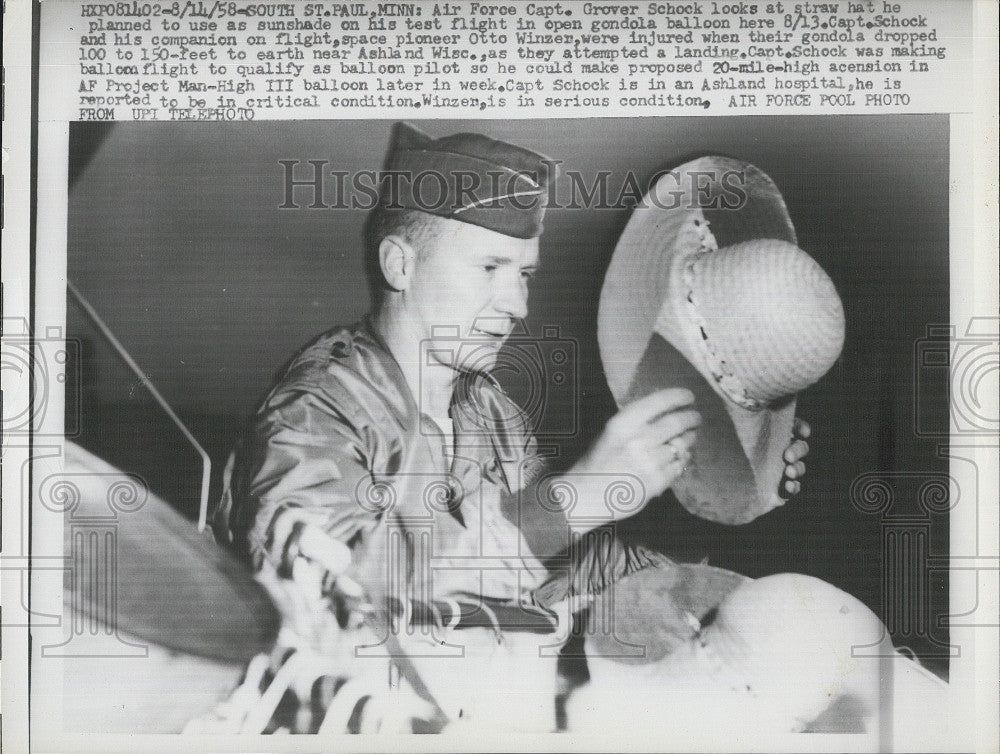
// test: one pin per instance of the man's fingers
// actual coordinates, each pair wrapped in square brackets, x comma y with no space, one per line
[319,547]
[792,487]
[675,453]
[676,458]
[796,451]
[677,427]
[634,416]
[309,578]
[667,473]
[349,587]
[795,470]
[801,429]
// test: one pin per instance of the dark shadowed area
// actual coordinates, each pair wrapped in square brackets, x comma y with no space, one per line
[178,239]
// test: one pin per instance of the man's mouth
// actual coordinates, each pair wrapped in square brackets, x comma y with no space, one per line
[491,336]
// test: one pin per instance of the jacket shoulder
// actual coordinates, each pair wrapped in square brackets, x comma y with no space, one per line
[347,369]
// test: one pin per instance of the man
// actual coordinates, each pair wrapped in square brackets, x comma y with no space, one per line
[388,467]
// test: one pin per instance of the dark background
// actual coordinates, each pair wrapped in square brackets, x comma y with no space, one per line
[177,238]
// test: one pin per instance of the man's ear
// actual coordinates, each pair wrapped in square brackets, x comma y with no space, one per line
[396,258]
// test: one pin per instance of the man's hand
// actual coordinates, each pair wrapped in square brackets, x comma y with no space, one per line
[318,572]
[649,440]
[795,467]
[314,596]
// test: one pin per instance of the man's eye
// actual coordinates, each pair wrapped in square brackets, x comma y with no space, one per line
[490,268]
[527,274]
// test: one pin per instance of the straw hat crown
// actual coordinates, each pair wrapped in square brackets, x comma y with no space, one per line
[769,320]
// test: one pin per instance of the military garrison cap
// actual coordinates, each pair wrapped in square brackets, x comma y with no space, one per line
[467,177]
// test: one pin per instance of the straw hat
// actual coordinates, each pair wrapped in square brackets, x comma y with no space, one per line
[708,290]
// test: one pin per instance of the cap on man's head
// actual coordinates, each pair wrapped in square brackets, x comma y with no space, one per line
[467,177]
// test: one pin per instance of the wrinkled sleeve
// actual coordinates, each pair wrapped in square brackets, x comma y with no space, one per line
[306,458]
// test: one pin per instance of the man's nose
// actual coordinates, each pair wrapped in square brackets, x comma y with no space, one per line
[512,295]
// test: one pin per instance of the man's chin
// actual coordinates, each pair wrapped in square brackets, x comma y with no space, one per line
[480,357]
[478,366]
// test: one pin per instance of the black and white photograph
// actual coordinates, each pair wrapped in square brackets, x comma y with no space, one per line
[499,376]
[502,427]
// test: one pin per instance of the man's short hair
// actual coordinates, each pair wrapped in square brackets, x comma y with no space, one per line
[419,229]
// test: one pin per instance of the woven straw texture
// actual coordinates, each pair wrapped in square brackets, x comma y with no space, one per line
[771,317]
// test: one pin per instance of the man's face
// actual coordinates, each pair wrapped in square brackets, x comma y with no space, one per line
[469,288]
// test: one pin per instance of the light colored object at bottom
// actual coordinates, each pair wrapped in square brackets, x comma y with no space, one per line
[783,654]
[159,693]
[912,715]
[727,682]
[505,685]
[483,685]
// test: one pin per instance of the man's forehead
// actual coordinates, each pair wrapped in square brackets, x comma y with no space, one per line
[520,255]
[482,244]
